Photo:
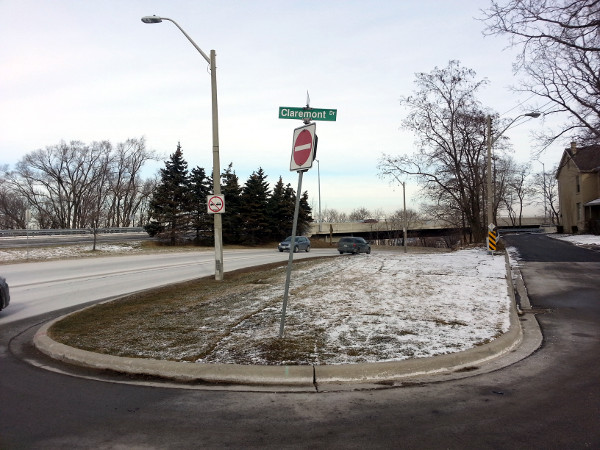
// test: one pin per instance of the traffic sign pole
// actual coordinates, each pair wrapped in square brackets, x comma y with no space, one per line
[303,153]
[291,258]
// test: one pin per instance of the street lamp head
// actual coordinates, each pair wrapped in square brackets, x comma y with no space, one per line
[535,115]
[151,19]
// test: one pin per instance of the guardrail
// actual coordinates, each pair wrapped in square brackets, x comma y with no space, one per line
[520,230]
[63,232]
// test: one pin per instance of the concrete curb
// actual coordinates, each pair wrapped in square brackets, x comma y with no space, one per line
[297,376]
[179,371]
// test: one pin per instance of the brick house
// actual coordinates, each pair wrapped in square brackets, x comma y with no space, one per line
[578,178]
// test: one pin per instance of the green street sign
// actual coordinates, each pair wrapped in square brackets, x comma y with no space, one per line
[286,112]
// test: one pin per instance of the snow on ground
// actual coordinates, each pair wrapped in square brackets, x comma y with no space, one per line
[586,240]
[365,308]
[65,251]
[578,239]
[381,307]
[385,306]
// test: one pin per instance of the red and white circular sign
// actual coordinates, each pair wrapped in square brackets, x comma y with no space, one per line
[303,147]
[216,204]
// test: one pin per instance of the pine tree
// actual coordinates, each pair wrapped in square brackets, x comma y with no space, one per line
[304,214]
[169,209]
[201,220]
[281,211]
[252,214]
[255,196]
[232,219]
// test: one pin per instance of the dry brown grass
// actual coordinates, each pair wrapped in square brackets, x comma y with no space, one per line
[193,317]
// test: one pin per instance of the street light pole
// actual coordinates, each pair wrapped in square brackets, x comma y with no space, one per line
[319,189]
[490,142]
[545,192]
[405,224]
[218,223]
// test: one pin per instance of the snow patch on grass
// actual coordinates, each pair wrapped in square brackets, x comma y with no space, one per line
[379,307]
[66,251]
[578,239]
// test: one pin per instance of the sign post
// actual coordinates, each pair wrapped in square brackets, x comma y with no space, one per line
[288,274]
[304,150]
[303,153]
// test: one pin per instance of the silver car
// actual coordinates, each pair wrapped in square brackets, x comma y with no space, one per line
[300,243]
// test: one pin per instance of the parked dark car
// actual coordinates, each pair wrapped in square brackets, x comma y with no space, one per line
[4,293]
[300,243]
[353,245]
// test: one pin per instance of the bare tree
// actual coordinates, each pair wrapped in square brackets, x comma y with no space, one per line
[518,192]
[359,214]
[126,184]
[76,185]
[560,58]
[145,194]
[395,222]
[449,214]
[449,124]
[13,206]
[333,215]
[546,185]
[57,180]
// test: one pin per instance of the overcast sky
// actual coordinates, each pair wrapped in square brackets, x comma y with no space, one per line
[91,70]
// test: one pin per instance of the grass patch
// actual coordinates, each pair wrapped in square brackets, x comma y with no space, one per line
[184,322]
[334,315]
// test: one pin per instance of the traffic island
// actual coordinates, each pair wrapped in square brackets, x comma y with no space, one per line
[320,375]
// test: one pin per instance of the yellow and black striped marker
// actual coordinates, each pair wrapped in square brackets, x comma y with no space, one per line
[492,240]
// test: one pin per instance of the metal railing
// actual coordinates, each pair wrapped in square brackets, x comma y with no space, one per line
[70,232]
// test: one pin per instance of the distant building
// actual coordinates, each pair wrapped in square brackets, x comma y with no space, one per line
[578,178]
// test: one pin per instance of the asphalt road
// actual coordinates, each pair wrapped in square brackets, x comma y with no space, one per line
[43,287]
[549,400]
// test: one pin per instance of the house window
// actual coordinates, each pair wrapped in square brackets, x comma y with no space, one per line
[578,187]
[578,212]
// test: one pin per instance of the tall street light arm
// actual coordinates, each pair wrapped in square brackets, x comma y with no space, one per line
[533,115]
[156,19]
[215,132]
[490,142]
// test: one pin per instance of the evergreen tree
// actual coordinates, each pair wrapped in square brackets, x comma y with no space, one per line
[232,219]
[255,196]
[169,209]
[253,214]
[201,220]
[281,211]
[304,214]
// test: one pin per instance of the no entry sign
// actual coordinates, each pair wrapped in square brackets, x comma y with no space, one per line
[215,204]
[303,147]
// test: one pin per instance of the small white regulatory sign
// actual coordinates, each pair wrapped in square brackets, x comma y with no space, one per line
[215,204]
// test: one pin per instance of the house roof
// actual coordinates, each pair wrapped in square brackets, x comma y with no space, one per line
[586,159]
[593,203]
